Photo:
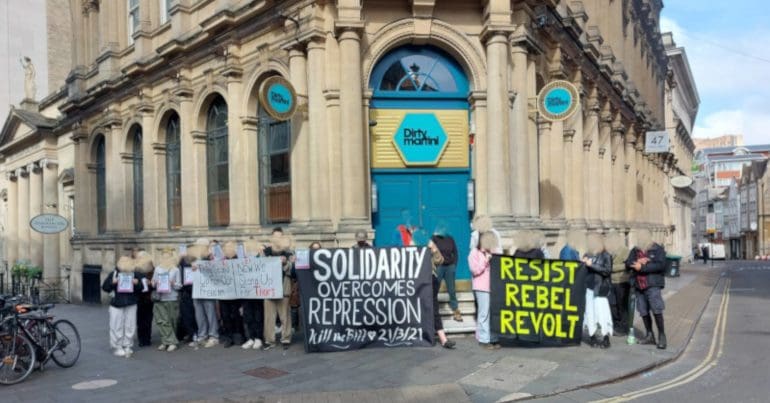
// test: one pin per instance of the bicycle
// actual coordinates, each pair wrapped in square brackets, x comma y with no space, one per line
[41,339]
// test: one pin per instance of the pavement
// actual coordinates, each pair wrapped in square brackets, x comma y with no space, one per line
[467,374]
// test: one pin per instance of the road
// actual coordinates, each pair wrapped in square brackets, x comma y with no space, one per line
[726,359]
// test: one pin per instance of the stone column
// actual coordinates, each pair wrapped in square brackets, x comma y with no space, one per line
[337,137]
[85,183]
[591,158]
[478,104]
[300,170]
[546,187]
[35,208]
[23,208]
[250,139]
[354,153]
[51,259]
[618,163]
[193,164]
[520,173]
[240,178]
[573,162]
[499,193]
[153,174]
[12,216]
[319,139]
[641,214]
[533,181]
[630,176]
[605,166]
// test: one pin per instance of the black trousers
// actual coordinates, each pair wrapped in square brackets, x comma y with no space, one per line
[144,322]
[437,323]
[187,325]
[619,305]
[254,318]
[232,322]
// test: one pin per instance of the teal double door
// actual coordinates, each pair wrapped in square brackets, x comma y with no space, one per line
[427,201]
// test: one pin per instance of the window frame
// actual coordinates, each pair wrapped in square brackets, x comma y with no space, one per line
[267,188]
[173,172]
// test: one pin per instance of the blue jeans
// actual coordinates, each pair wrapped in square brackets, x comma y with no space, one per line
[447,273]
[483,333]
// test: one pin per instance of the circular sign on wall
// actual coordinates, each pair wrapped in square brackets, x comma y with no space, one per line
[681,181]
[48,223]
[558,100]
[277,97]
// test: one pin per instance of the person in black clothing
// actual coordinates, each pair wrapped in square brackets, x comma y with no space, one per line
[598,317]
[187,329]
[232,322]
[145,305]
[123,284]
[648,263]
[527,245]
[253,309]
[361,240]
[705,254]
[447,270]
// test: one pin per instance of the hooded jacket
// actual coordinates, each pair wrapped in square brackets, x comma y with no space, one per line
[121,299]
[599,270]
[654,269]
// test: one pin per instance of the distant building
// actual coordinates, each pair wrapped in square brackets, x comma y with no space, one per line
[728,140]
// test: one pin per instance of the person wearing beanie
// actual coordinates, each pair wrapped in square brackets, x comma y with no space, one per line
[166,283]
[124,285]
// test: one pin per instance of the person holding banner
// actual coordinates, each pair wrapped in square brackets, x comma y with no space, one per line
[187,329]
[167,282]
[253,309]
[569,251]
[528,245]
[620,286]
[232,322]
[448,267]
[480,225]
[205,309]
[597,315]
[648,262]
[123,284]
[437,259]
[478,261]
[280,246]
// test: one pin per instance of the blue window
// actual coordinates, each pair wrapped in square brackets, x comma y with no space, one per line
[419,72]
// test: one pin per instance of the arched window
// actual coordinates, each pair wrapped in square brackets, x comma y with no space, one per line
[138,179]
[101,186]
[173,173]
[275,164]
[217,164]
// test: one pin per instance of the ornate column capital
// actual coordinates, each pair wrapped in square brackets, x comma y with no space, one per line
[569,135]
[587,145]
[49,163]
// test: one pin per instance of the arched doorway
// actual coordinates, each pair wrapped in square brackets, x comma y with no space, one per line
[420,157]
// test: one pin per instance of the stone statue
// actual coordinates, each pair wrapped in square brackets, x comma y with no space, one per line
[30,88]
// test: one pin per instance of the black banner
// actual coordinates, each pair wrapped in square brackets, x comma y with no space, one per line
[370,297]
[537,300]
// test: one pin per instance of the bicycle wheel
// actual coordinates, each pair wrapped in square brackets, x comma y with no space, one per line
[17,358]
[67,352]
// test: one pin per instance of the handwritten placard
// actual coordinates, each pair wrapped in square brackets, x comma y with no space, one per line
[252,278]
[125,283]
[188,275]
[303,259]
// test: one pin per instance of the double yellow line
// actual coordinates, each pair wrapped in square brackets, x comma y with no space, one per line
[715,352]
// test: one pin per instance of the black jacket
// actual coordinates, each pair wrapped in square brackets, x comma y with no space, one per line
[536,253]
[186,289]
[654,269]
[446,245]
[121,300]
[598,278]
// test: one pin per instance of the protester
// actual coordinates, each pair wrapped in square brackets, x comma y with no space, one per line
[447,270]
[295,300]
[144,266]
[648,262]
[205,309]
[570,249]
[528,245]
[123,306]
[437,259]
[705,254]
[280,246]
[597,315]
[480,225]
[232,323]
[166,283]
[187,330]
[253,309]
[479,265]
[620,286]
[361,240]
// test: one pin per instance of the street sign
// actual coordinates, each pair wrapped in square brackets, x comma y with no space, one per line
[558,100]
[278,98]
[657,142]
[681,181]
[48,223]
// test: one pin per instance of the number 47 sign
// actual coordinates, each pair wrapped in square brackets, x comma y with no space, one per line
[656,142]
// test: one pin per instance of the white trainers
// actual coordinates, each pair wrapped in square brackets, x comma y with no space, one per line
[119,352]
[171,347]
[162,347]
[247,345]
[211,342]
[129,352]
[257,344]
[192,344]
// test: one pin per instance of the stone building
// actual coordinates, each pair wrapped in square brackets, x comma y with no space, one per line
[163,137]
